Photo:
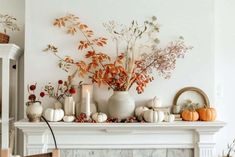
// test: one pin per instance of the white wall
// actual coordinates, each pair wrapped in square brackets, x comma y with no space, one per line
[225,68]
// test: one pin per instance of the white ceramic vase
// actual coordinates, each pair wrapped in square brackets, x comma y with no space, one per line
[34,111]
[69,106]
[121,105]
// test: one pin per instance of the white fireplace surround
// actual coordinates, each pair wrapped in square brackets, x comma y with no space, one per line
[196,135]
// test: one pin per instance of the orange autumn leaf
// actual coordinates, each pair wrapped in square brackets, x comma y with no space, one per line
[119,59]
[98,77]
[71,30]
[82,68]
[100,41]
[59,22]
[94,64]
[68,59]
[90,54]
[83,45]
[83,26]
[89,33]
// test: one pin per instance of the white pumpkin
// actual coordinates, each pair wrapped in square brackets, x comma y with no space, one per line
[140,110]
[153,116]
[99,117]
[155,102]
[68,118]
[54,115]
[169,117]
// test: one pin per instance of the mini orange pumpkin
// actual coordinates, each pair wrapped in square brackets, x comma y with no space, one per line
[207,114]
[190,115]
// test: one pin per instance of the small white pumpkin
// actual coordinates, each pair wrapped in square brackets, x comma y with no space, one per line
[140,110]
[155,102]
[99,117]
[68,118]
[169,117]
[153,116]
[54,115]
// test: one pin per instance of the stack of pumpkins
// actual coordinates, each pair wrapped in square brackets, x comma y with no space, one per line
[152,112]
[205,113]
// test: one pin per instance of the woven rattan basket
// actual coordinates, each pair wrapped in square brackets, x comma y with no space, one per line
[4,39]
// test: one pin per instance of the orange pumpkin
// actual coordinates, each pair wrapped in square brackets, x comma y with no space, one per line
[207,114]
[190,115]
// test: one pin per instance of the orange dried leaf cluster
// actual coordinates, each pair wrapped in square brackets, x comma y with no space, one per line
[74,25]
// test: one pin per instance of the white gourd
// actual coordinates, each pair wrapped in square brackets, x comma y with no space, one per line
[140,110]
[99,117]
[68,118]
[54,115]
[153,116]
[155,102]
[169,117]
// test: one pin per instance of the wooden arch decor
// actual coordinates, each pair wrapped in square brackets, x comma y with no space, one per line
[193,89]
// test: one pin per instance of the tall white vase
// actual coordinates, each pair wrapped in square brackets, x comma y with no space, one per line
[69,106]
[121,105]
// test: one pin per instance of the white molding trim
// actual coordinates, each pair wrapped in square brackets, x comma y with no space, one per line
[10,51]
[196,135]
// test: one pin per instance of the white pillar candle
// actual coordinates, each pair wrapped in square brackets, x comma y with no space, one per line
[88,104]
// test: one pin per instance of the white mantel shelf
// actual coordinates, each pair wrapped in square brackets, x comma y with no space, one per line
[196,135]
[131,127]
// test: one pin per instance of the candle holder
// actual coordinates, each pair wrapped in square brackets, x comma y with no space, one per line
[87,95]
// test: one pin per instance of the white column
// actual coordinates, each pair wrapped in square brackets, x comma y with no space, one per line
[5,102]
[16,102]
[204,143]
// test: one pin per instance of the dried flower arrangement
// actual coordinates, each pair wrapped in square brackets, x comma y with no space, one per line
[63,89]
[8,22]
[133,65]
[31,91]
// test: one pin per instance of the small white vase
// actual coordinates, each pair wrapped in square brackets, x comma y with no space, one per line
[69,106]
[34,111]
[121,105]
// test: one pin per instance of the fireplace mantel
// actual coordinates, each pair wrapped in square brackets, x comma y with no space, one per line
[196,135]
